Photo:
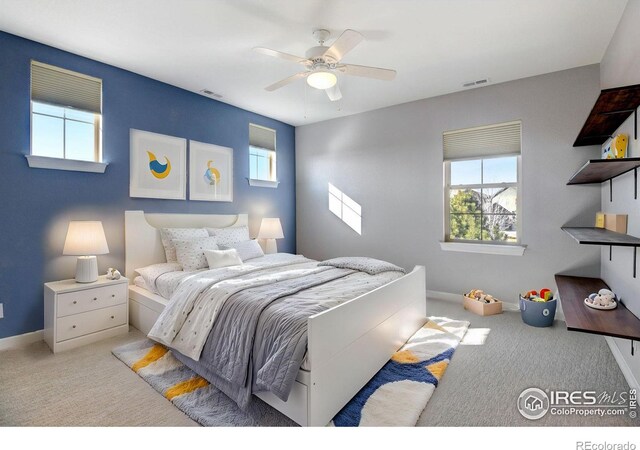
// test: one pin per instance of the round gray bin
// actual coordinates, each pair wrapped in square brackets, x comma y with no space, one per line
[538,314]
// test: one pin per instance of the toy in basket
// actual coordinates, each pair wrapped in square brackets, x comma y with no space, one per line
[480,303]
[604,299]
[538,309]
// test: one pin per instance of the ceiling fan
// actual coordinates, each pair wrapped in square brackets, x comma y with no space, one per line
[322,63]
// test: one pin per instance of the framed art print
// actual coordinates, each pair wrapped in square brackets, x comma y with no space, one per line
[210,172]
[158,165]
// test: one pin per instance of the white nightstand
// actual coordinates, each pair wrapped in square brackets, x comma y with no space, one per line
[76,314]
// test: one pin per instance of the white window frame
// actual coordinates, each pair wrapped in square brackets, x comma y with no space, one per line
[47,162]
[272,182]
[447,204]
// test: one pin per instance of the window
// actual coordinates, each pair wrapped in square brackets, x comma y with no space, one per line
[65,114]
[482,167]
[262,156]
[345,208]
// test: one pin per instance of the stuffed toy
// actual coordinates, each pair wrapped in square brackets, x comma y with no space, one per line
[113,274]
[604,299]
[479,295]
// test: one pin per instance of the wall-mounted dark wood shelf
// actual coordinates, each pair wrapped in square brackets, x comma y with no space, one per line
[599,170]
[610,110]
[600,236]
[619,322]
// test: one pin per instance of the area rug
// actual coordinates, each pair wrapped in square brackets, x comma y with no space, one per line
[395,396]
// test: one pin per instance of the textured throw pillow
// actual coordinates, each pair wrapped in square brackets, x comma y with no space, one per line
[230,235]
[247,249]
[150,273]
[167,235]
[363,264]
[222,258]
[190,253]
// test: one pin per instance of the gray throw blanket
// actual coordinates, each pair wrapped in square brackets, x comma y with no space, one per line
[259,338]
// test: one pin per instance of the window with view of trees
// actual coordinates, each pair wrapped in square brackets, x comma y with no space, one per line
[481,194]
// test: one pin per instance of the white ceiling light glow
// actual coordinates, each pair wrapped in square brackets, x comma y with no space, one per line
[322,80]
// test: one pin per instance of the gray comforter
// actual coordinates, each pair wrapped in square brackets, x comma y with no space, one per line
[259,338]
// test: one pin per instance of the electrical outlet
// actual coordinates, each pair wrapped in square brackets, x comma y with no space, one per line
[1,311]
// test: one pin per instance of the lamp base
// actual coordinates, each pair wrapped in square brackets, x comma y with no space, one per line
[86,269]
[269,246]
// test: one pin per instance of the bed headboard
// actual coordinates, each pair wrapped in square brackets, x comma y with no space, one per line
[143,245]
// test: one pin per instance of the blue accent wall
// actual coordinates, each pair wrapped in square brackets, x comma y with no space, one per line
[37,204]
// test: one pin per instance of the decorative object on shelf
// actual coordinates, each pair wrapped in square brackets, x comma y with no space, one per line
[599,220]
[616,223]
[85,239]
[538,309]
[270,230]
[158,166]
[616,148]
[210,172]
[604,299]
[113,274]
[480,303]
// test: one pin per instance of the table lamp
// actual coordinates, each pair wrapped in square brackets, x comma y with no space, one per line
[85,239]
[270,230]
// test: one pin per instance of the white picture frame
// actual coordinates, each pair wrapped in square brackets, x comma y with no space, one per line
[210,172]
[151,156]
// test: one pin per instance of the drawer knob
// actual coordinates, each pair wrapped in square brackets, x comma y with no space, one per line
[113,317]
[95,298]
[113,295]
[75,301]
[73,326]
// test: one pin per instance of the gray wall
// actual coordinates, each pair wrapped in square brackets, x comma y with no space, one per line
[390,161]
[621,67]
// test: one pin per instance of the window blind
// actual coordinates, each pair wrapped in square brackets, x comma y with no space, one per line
[56,86]
[492,140]
[262,137]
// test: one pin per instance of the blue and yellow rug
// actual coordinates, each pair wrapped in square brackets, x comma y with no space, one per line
[395,396]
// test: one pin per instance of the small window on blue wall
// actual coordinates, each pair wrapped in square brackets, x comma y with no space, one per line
[262,153]
[66,113]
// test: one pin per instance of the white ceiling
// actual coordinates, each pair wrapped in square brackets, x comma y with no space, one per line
[435,45]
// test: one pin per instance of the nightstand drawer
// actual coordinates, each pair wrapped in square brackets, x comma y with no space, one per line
[89,322]
[90,299]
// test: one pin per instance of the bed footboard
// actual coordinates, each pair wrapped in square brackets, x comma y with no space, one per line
[350,343]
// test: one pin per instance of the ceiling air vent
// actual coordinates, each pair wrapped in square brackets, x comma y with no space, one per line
[476,83]
[209,93]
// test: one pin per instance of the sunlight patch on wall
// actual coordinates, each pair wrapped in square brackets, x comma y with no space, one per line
[345,208]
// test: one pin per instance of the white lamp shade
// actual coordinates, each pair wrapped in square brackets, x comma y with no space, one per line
[85,238]
[270,228]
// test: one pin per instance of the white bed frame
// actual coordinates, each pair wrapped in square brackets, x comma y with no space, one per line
[347,344]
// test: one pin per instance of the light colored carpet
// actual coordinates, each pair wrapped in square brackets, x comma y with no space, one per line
[88,386]
[483,382]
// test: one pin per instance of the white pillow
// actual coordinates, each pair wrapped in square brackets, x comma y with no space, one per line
[222,258]
[150,273]
[167,235]
[230,235]
[190,253]
[247,249]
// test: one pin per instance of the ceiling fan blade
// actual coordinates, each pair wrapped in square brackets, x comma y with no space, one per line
[281,55]
[286,81]
[334,93]
[368,72]
[344,44]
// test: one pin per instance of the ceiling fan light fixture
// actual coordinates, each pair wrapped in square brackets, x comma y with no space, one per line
[322,80]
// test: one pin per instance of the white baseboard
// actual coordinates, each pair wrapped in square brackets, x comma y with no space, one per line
[21,340]
[624,367]
[506,306]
